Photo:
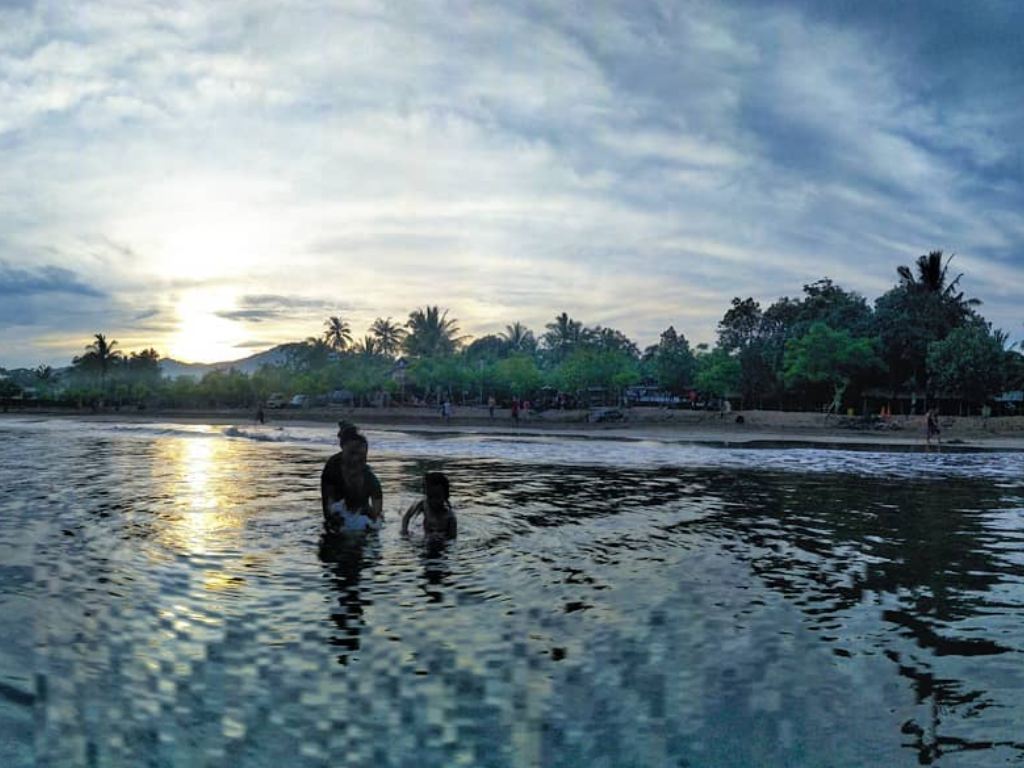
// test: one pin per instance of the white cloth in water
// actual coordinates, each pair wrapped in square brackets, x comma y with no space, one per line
[352,520]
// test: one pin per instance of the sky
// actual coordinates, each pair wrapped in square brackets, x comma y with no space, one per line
[211,179]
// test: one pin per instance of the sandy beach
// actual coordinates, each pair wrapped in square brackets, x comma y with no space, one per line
[775,427]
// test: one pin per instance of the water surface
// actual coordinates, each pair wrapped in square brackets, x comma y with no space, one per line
[168,600]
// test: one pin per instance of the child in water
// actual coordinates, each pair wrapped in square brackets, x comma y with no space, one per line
[438,516]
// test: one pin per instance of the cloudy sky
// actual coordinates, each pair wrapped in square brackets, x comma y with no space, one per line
[215,178]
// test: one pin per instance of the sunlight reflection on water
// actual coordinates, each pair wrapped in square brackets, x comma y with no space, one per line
[170,601]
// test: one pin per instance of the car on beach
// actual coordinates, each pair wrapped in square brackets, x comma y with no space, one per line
[605,414]
[300,401]
[276,400]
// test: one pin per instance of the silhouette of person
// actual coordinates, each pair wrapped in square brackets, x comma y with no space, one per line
[932,429]
[350,493]
[438,516]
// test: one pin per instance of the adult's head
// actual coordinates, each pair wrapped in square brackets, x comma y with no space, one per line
[353,450]
[346,431]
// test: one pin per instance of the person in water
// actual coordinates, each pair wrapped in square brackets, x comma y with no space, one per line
[435,506]
[350,492]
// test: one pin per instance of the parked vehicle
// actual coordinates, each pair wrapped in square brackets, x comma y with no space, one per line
[641,395]
[605,414]
[276,400]
[300,401]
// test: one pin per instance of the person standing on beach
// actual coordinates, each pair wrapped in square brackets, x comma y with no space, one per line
[350,493]
[931,428]
[515,410]
[490,405]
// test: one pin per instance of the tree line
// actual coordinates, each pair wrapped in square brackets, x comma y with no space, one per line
[921,341]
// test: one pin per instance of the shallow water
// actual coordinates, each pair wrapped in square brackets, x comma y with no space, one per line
[168,600]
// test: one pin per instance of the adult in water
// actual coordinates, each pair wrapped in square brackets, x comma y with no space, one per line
[350,493]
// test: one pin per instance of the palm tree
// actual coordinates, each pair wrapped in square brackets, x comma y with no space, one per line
[100,355]
[518,338]
[929,277]
[431,333]
[388,336]
[338,334]
[562,336]
[368,346]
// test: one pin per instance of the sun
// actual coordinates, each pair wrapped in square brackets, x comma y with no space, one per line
[203,335]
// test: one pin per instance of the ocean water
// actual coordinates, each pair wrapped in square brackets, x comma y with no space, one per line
[168,599]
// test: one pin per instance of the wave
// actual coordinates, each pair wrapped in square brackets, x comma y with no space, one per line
[565,450]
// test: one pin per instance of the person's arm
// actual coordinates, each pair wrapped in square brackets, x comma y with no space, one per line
[410,513]
[377,507]
[326,491]
[453,526]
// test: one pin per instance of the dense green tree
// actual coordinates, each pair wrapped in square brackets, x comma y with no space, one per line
[8,388]
[229,388]
[823,301]
[309,355]
[829,356]
[518,376]
[1014,369]
[718,372]
[489,348]
[365,375]
[610,340]
[590,367]
[969,362]
[144,364]
[740,335]
[671,362]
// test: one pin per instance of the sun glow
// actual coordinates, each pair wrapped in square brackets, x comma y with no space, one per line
[203,336]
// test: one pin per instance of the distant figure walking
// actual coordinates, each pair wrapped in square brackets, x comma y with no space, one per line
[515,410]
[932,429]
[260,417]
[490,405]
[435,506]
[446,411]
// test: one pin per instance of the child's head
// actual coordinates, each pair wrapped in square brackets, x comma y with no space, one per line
[435,487]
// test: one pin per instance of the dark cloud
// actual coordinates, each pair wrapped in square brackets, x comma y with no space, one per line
[286,303]
[256,344]
[261,307]
[250,315]
[24,282]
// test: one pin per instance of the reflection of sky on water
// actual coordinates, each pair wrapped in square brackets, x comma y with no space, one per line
[185,609]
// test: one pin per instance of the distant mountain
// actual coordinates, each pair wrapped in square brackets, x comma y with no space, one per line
[278,355]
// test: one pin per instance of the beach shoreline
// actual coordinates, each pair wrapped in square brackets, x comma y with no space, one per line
[756,427]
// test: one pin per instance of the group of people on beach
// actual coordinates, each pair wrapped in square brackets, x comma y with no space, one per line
[353,500]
